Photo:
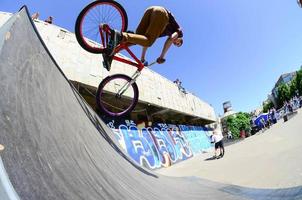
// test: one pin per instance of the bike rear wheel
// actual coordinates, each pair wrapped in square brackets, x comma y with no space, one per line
[110,102]
[99,12]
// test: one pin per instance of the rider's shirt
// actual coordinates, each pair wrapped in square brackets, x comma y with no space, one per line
[171,27]
[217,138]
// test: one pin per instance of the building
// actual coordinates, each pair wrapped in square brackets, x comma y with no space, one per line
[283,79]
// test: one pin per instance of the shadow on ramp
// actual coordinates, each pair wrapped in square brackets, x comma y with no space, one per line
[56,147]
[213,158]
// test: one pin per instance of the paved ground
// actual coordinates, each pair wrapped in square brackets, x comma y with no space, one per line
[271,159]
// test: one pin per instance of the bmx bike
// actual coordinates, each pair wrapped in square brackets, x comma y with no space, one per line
[117,95]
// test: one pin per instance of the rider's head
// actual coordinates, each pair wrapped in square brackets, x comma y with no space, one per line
[178,41]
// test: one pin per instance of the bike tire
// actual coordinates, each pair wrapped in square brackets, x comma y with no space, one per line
[107,101]
[88,21]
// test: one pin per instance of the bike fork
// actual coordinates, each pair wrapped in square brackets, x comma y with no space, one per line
[127,85]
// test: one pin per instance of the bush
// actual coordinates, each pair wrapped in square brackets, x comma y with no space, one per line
[239,122]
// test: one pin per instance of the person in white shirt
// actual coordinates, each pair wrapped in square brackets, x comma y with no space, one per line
[230,136]
[219,148]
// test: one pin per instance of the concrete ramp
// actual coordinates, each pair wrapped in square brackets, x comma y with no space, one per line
[57,148]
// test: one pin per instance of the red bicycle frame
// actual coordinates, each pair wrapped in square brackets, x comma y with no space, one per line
[105,32]
[124,46]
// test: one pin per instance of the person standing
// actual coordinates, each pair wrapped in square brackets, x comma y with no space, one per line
[230,136]
[35,16]
[217,140]
[49,20]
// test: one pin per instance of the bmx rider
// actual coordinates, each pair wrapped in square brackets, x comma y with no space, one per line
[156,22]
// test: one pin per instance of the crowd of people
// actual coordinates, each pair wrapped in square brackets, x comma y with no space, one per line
[293,104]
[273,115]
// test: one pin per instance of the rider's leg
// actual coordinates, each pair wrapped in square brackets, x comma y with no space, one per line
[152,25]
[143,54]
[144,23]
[150,28]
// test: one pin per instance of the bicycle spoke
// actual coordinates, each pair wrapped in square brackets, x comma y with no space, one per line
[109,98]
[92,16]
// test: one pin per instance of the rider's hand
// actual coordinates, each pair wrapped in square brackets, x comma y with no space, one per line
[160,60]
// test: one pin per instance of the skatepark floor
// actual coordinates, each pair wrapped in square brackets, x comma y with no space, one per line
[269,159]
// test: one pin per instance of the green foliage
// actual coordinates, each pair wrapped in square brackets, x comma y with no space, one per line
[238,122]
[283,94]
[293,87]
[299,81]
[267,106]
[233,126]
[286,92]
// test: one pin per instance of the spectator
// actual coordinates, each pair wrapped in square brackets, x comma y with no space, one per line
[178,83]
[35,16]
[290,107]
[263,124]
[295,102]
[217,140]
[286,107]
[230,136]
[273,114]
[49,20]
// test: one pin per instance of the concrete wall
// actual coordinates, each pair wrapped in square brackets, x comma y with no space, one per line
[85,67]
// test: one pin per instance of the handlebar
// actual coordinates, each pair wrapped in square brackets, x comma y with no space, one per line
[152,63]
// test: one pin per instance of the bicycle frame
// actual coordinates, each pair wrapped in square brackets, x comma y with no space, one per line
[104,30]
[105,33]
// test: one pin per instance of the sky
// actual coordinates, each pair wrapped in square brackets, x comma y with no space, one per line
[234,50]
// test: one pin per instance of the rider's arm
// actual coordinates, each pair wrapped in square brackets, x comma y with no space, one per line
[144,54]
[166,47]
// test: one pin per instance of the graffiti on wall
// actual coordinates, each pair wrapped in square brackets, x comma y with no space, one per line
[160,145]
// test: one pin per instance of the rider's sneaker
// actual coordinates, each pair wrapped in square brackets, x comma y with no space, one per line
[107,60]
[115,39]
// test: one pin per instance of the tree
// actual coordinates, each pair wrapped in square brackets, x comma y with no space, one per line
[233,126]
[299,81]
[267,106]
[293,87]
[239,122]
[283,94]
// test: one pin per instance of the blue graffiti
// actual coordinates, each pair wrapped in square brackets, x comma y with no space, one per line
[161,145]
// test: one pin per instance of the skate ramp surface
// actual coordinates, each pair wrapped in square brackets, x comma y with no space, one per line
[56,147]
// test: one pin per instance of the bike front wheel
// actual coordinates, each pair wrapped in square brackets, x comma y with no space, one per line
[117,95]
[97,13]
